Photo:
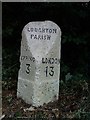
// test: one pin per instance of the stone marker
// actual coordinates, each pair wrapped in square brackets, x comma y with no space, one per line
[38,80]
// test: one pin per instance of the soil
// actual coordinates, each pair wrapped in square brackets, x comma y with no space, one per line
[68,106]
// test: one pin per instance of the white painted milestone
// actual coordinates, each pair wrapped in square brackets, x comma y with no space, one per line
[38,79]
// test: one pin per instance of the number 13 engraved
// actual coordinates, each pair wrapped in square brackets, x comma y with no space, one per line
[49,71]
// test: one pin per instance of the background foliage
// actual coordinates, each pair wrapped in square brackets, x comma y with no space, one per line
[74,21]
[72,18]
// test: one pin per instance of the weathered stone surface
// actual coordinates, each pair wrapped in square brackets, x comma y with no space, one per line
[38,80]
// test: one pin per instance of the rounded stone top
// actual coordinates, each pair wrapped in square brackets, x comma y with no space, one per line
[41,37]
[42,24]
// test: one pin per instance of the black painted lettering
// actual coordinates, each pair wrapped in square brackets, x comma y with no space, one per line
[46,30]
[33,59]
[54,30]
[52,60]
[26,57]
[35,36]
[44,37]
[28,29]
[32,36]
[50,30]
[36,29]
[43,60]
[49,71]
[39,29]
[48,37]
[39,37]
[43,30]
[46,60]
[27,68]
[49,61]
[46,71]
[56,60]
[31,29]
[22,57]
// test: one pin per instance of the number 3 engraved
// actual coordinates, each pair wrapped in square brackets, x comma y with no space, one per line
[28,68]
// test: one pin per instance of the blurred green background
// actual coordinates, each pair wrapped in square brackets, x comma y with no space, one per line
[72,18]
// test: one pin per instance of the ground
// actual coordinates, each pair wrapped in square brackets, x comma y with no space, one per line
[72,103]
